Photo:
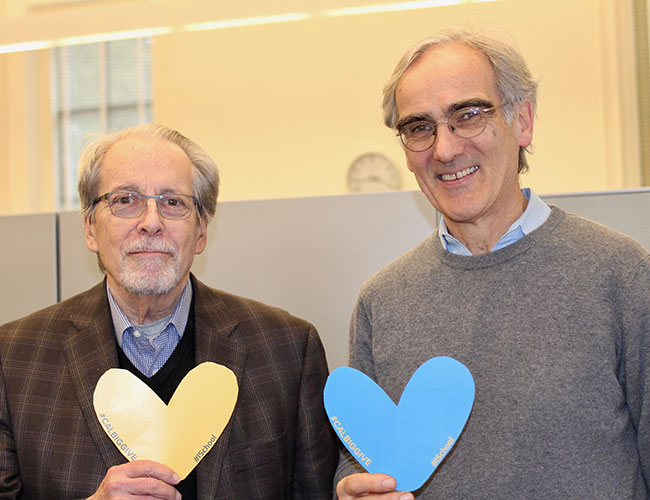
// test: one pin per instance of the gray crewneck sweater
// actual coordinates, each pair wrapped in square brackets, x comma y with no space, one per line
[555,329]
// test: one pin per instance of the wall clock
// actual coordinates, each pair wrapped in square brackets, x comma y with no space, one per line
[372,172]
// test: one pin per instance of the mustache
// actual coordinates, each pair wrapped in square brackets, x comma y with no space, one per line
[149,246]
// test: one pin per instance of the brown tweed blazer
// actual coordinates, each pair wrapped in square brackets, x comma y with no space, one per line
[278,444]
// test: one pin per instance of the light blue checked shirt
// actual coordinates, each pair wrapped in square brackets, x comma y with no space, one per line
[147,350]
[534,216]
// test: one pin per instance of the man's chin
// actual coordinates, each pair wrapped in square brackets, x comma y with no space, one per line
[155,280]
[149,292]
[149,288]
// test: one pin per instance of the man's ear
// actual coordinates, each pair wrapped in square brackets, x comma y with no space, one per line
[202,238]
[89,234]
[524,123]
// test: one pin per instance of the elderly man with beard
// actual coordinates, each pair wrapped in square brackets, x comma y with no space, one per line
[147,195]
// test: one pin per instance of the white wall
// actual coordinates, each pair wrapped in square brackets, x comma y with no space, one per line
[311,90]
[311,93]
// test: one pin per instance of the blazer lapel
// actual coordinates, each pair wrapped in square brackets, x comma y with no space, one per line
[89,352]
[213,328]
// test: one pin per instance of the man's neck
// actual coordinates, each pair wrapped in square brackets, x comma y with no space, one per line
[482,235]
[145,309]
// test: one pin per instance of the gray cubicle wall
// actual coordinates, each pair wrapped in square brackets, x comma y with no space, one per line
[307,255]
[28,274]
[626,211]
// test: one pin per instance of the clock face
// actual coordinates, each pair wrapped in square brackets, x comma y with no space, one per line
[372,172]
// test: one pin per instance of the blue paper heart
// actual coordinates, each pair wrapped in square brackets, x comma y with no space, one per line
[410,440]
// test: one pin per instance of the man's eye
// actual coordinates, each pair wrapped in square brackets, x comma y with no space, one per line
[123,200]
[173,201]
[418,128]
[467,115]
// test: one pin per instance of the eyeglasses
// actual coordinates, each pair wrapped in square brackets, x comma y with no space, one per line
[465,122]
[129,205]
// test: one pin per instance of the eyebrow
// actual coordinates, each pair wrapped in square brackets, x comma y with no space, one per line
[132,188]
[469,103]
[452,108]
[420,117]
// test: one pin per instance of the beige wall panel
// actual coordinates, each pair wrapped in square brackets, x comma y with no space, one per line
[285,108]
[26,176]
[5,120]
[41,135]
[17,162]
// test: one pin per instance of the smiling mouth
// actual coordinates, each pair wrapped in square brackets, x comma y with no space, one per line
[458,175]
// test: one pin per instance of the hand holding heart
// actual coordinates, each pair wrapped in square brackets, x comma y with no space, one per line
[141,478]
[370,487]
[410,440]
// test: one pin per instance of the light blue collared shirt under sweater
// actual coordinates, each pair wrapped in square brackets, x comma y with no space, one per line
[534,216]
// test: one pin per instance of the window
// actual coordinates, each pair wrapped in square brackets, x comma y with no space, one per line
[97,87]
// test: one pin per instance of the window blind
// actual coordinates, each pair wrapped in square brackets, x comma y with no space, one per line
[97,87]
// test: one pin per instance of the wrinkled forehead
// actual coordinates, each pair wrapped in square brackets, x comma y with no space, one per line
[444,75]
[144,162]
[138,144]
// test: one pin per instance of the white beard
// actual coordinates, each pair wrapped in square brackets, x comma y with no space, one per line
[152,275]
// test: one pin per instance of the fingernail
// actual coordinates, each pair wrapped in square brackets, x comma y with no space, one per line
[405,496]
[388,483]
[178,496]
[175,478]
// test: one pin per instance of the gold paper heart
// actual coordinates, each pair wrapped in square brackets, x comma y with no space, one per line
[179,434]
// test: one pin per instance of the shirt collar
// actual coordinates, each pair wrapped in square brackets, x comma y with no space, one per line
[178,318]
[534,215]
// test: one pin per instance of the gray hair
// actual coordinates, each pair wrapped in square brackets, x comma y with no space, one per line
[513,79]
[206,179]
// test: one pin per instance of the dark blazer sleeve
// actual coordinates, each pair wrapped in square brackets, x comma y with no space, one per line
[316,451]
[278,444]
[10,482]
[51,444]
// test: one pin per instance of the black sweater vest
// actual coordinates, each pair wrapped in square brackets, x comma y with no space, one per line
[165,381]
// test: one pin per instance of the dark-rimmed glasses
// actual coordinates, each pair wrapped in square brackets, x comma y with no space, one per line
[130,204]
[466,122]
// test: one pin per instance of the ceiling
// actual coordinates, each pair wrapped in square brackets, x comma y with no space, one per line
[57,22]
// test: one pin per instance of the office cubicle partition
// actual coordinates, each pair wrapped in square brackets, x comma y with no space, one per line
[625,211]
[306,255]
[28,273]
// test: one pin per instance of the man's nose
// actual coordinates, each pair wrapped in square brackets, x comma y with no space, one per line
[150,220]
[446,145]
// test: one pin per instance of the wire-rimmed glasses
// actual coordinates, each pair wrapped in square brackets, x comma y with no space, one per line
[130,204]
[467,122]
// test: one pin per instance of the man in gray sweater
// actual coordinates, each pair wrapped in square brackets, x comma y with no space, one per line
[550,312]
